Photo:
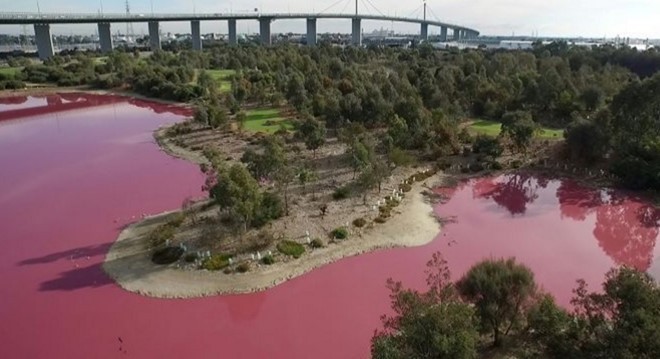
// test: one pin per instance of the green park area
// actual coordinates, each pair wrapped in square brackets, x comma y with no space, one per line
[493,128]
[267,120]
[10,71]
[223,78]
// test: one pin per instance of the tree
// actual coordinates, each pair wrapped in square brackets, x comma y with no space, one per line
[586,140]
[268,160]
[432,324]
[238,192]
[285,175]
[500,290]
[306,175]
[241,118]
[312,132]
[622,321]
[519,128]
[487,145]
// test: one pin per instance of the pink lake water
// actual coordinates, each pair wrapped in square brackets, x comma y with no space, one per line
[76,168]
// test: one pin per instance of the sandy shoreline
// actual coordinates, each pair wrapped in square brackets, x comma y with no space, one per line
[128,262]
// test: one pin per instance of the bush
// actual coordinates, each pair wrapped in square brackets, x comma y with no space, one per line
[243,267]
[291,248]
[216,262]
[177,219]
[380,219]
[489,146]
[271,208]
[316,243]
[360,222]
[167,255]
[340,233]
[161,234]
[268,260]
[405,187]
[341,193]
[190,257]
[476,167]
[496,166]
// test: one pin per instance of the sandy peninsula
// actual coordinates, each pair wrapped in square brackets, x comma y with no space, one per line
[129,263]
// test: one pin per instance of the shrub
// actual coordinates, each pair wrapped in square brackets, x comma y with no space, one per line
[489,146]
[291,248]
[216,262]
[340,233]
[380,219]
[271,208]
[268,260]
[167,255]
[476,167]
[444,165]
[360,222]
[496,166]
[177,219]
[405,187]
[161,234]
[316,243]
[516,164]
[341,193]
[227,271]
[243,267]
[190,257]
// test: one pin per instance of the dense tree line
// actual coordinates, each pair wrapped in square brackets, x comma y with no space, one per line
[496,307]
[604,95]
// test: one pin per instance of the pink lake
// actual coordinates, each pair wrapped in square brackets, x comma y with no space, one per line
[76,168]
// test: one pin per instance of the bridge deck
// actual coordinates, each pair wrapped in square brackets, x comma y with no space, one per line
[32,18]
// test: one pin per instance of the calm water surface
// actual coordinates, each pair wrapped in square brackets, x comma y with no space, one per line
[76,168]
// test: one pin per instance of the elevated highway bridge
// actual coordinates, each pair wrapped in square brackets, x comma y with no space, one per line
[42,22]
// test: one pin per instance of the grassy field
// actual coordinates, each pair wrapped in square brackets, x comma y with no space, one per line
[10,71]
[257,119]
[492,128]
[222,78]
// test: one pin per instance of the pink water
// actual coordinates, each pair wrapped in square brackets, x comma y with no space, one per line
[71,177]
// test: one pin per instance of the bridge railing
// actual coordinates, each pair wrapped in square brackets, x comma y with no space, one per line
[24,17]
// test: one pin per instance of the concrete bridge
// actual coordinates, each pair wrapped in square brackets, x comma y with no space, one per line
[44,41]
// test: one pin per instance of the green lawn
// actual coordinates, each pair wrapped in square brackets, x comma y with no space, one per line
[10,71]
[492,128]
[257,118]
[222,78]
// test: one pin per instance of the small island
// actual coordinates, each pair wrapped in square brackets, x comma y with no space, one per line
[279,206]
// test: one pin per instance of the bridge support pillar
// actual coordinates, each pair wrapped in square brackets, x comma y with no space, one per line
[443,34]
[196,35]
[311,32]
[231,24]
[457,34]
[357,31]
[44,41]
[424,32]
[154,35]
[264,31]
[105,37]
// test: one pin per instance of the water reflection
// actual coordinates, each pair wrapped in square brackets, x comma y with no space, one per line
[513,192]
[17,108]
[626,228]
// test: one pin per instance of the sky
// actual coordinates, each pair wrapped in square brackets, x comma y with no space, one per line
[565,18]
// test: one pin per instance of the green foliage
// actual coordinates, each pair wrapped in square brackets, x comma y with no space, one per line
[270,208]
[359,222]
[519,128]
[339,233]
[268,260]
[243,267]
[586,140]
[500,289]
[312,132]
[431,324]
[190,257]
[237,192]
[489,146]
[316,243]
[216,262]
[291,248]
[167,255]
[400,158]
[341,193]
[268,160]
[161,234]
